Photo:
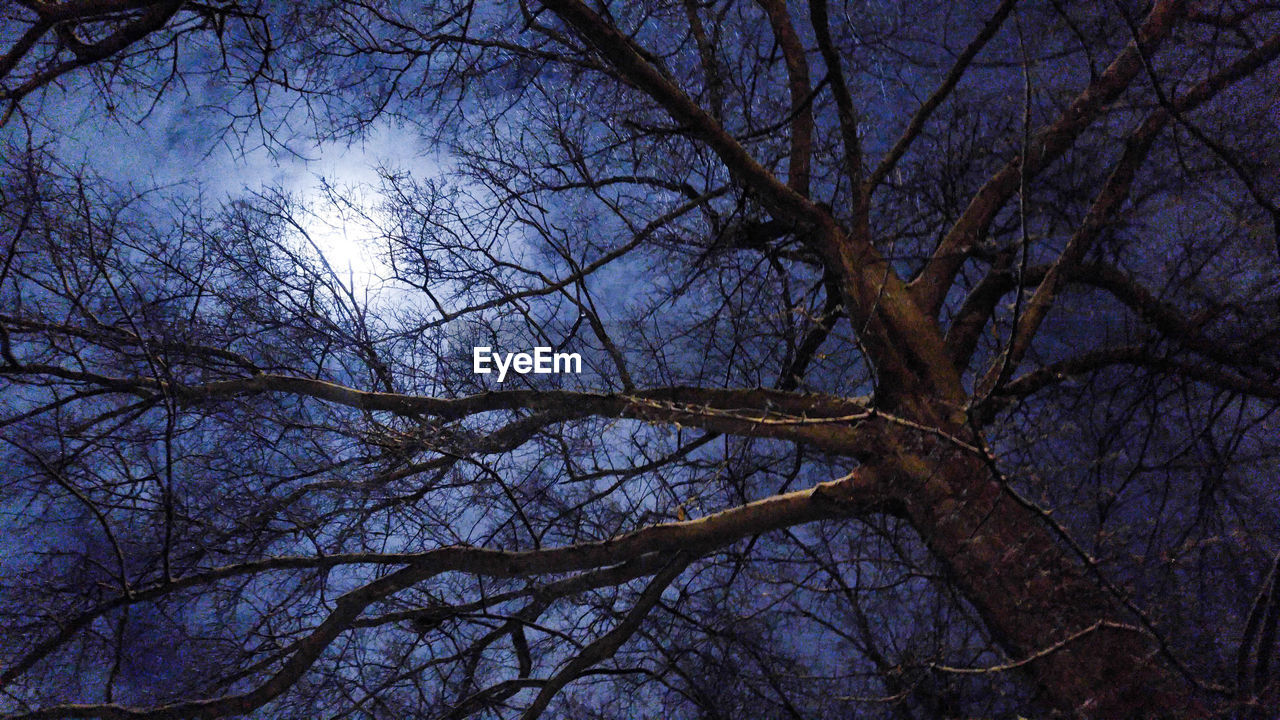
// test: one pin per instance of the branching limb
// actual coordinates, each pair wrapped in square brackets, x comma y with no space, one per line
[949,83]
[793,54]
[1135,355]
[608,644]
[933,283]
[858,492]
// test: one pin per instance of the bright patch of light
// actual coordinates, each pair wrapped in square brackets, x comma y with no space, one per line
[341,228]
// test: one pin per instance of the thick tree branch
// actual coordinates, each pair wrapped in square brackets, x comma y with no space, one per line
[1104,208]
[154,16]
[1135,355]
[931,286]
[905,345]
[708,59]
[1187,331]
[861,491]
[976,310]
[845,111]
[793,55]
[621,52]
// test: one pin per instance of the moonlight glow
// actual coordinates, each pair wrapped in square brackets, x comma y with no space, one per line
[343,232]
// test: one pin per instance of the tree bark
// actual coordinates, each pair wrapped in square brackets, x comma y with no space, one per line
[1048,610]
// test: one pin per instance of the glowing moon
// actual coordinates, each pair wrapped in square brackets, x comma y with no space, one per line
[343,232]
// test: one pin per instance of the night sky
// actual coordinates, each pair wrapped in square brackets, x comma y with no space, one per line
[930,358]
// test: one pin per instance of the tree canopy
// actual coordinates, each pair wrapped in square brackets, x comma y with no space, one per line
[930,358]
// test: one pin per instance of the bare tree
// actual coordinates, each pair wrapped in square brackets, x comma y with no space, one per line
[930,358]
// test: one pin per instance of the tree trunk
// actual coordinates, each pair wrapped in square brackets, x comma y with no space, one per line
[1054,617]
